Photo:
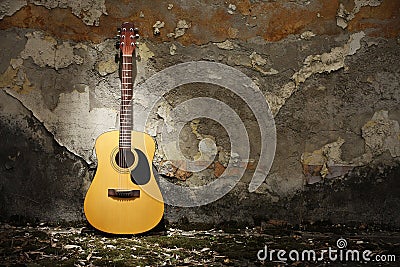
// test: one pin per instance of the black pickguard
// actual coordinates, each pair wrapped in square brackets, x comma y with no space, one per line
[141,174]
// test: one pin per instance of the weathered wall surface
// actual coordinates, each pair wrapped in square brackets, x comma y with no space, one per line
[328,69]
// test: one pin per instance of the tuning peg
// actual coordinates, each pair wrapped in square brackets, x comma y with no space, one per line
[117,44]
[136,36]
[119,30]
[136,30]
[118,36]
[137,44]
[116,58]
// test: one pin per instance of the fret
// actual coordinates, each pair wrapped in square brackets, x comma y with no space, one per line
[126,116]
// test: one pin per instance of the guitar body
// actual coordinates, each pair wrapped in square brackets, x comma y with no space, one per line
[139,207]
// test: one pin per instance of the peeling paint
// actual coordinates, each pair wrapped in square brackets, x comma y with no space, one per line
[307,35]
[276,101]
[343,16]
[329,153]
[226,45]
[382,134]
[326,62]
[107,67]
[144,69]
[72,123]
[181,28]
[231,9]
[45,51]
[144,52]
[257,60]
[88,10]
[172,49]
[157,26]
[7,78]
[78,117]
[9,7]
[325,162]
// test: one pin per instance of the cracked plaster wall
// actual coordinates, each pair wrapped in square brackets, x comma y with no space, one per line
[328,70]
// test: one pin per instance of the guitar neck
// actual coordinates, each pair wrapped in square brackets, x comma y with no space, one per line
[128,73]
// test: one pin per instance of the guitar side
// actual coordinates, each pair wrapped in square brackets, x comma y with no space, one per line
[122,215]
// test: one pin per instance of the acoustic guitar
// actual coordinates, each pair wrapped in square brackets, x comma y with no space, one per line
[124,197]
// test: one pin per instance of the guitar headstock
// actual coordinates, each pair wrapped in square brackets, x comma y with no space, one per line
[128,36]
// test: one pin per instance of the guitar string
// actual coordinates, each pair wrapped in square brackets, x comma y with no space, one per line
[126,113]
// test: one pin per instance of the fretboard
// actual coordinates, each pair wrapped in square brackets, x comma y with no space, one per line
[125,118]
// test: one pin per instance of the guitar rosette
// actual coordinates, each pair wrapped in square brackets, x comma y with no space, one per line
[149,94]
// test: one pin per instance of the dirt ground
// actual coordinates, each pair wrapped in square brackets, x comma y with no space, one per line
[43,245]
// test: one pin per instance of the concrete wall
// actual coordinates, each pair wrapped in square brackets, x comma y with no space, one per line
[328,69]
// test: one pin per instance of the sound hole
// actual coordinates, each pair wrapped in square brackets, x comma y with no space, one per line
[124,158]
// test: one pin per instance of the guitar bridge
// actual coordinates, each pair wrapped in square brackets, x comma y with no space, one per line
[120,193]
